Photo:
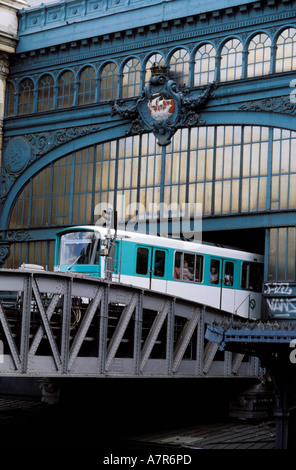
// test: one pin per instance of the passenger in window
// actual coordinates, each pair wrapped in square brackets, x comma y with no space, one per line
[187,274]
[159,267]
[228,278]
[213,275]
[177,272]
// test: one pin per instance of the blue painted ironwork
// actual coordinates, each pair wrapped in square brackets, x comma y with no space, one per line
[52,42]
[230,334]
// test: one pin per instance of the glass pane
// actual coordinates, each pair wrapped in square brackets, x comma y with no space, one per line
[159,263]
[214,271]
[142,261]
[228,274]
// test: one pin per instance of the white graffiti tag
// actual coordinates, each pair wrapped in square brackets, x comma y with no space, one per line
[282,288]
[286,306]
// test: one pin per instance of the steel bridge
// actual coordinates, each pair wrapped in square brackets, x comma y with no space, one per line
[72,325]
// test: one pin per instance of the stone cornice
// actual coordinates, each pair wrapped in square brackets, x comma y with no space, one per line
[61,13]
[213,19]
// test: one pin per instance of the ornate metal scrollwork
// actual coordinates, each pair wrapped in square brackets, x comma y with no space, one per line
[19,152]
[281,104]
[11,236]
[4,253]
[162,108]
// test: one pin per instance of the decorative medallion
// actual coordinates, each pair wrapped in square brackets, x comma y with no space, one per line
[162,108]
[17,155]
[20,151]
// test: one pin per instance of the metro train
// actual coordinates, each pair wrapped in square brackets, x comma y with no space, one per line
[222,278]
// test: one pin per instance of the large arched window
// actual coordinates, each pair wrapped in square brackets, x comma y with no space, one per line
[259,54]
[228,169]
[156,59]
[66,88]
[87,86]
[131,79]
[45,93]
[179,67]
[10,92]
[286,51]
[231,60]
[204,66]
[26,96]
[108,82]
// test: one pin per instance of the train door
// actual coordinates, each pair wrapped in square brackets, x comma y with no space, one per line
[159,269]
[228,286]
[143,267]
[151,268]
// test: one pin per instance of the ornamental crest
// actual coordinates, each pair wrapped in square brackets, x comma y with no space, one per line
[162,108]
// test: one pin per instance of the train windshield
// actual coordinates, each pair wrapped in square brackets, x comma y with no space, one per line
[79,248]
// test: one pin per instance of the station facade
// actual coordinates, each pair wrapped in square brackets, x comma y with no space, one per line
[78,135]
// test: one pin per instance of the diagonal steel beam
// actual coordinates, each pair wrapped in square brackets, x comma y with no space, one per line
[120,330]
[236,363]
[184,338]
[25,326]
[153,333]
[84,326]
[39,333]
[47,328]
[12,346]
[66,321]
[210,352]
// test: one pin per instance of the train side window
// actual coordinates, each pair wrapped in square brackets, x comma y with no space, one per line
[178,264]
[214,271]
[228,274]
[142,261]
[252,276]
[159,263]
[198,268]
[188,267]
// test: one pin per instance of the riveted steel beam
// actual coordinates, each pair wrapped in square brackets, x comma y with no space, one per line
[210,351]
[40,332]
[185,337]
[120,330]
[25,328]
[85,324]
[47,327]
[11,343]
[154,332]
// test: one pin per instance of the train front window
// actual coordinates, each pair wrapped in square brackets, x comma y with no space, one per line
[79,248]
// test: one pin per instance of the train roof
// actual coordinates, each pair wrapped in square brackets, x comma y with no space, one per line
[200,247]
